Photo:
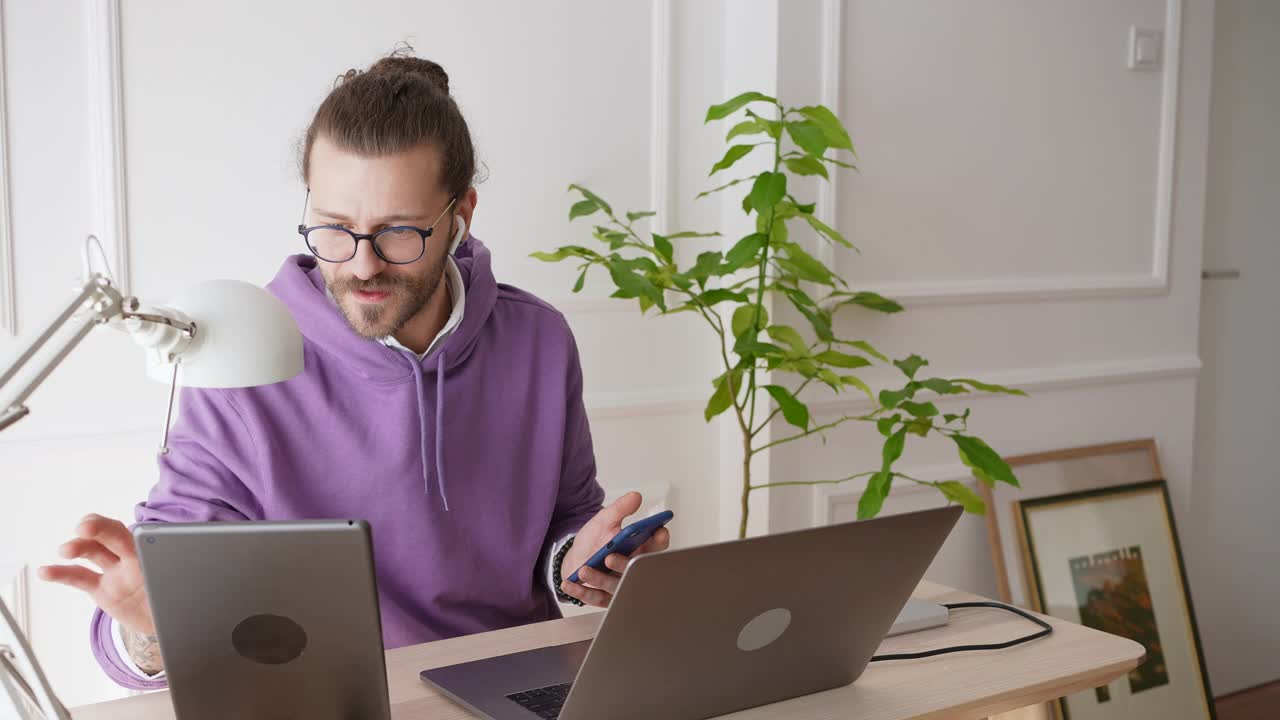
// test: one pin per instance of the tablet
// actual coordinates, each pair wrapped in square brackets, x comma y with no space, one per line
[267,619]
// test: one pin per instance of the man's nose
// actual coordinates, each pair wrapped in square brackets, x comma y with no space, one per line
[366,264]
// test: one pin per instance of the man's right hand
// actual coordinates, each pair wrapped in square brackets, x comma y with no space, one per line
[119,589]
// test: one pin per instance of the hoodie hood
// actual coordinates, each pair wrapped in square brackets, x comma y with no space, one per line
[301,287]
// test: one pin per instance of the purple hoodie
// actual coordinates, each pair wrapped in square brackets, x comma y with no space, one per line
[468,464]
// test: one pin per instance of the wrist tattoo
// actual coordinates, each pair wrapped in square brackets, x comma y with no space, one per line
[145,651]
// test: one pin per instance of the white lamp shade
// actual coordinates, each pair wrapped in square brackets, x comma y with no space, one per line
[244,336]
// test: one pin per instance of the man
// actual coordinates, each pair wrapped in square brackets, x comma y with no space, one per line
[440,406]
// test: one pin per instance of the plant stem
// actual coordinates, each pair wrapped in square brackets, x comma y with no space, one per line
[820,428]
[816,482]
[778,409]
[746,484]
[747,450]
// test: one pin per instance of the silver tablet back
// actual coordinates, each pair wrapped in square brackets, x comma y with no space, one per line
[267,619]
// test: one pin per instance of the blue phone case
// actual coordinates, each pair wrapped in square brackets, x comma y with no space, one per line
[626,541]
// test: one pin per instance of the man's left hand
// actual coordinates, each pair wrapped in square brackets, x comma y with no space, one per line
[597,587]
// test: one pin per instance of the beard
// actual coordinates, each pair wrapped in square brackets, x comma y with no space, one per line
[407,295]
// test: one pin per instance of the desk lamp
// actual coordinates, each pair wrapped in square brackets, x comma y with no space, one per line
[221,333]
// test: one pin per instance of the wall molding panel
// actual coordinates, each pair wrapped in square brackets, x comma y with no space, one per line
[1050,379]
[109,210]
[642,403]
[1047,288]
[8,277]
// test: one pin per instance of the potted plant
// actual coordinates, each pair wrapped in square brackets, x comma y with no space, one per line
[732,292]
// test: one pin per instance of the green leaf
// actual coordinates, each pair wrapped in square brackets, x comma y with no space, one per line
[634,216]
[808,136]
[858,383]
[729,107]
[748,346]
[988,387]
[727,185]
[743,317]
[707,264]
[746,127]
[630,281]
[592,196]
[872,301]
[772,127]
[806,165]
[768,189]
[920,410]
[873,497]
[719,295]
[959,492]
[793,410]
[789,336]
[943,387]
[809,267]
[918,426]
[827,231]
[565,252]
[722,398]
[832,130]
[691,234]
[891,398]
[582,279]
[893,449]
[818,318]
[583,208]
[663,246]
[885,424]
[986,463]
[744,250]
[733,155]
[909,365]
[834,161]
[867,348]
[841,360]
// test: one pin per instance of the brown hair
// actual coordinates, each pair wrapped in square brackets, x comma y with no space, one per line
[398,103]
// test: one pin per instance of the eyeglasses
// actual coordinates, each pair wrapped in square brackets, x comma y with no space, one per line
[398,245]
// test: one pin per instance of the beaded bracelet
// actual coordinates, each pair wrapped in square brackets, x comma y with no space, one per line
[555,575]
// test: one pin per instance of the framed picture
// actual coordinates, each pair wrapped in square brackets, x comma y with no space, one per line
[1109,559]
[1054,473]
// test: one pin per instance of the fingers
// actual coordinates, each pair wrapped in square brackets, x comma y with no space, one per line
[622,508]
[616,562]
[607,582]
[590,596]
[76,576]
[90,550]
[661,540]
[112,534]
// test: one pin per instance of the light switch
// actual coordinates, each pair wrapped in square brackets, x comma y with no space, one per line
[1144,48]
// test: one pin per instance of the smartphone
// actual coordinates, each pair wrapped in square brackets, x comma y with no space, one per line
[627,541]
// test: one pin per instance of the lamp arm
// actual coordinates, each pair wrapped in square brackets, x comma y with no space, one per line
[103,303]
[19,689]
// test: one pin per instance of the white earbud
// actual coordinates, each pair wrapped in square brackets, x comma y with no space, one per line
[459,235]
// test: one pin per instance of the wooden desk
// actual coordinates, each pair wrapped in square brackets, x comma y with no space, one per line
[960,685]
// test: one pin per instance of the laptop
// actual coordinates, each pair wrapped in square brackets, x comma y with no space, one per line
[709,630]
[267,619]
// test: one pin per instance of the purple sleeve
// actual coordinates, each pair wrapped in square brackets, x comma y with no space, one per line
[203,477]
[580,496]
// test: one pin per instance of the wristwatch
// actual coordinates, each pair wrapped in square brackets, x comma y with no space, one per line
[555,575]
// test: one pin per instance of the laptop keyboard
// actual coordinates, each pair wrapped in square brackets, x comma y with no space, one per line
[544,702]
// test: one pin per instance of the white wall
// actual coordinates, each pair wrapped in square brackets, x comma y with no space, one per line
[1019,191]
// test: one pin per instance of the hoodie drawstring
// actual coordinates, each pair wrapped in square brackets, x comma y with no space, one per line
[422,419]
[440,429]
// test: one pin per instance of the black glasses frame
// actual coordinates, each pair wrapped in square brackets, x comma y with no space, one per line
[356,237]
